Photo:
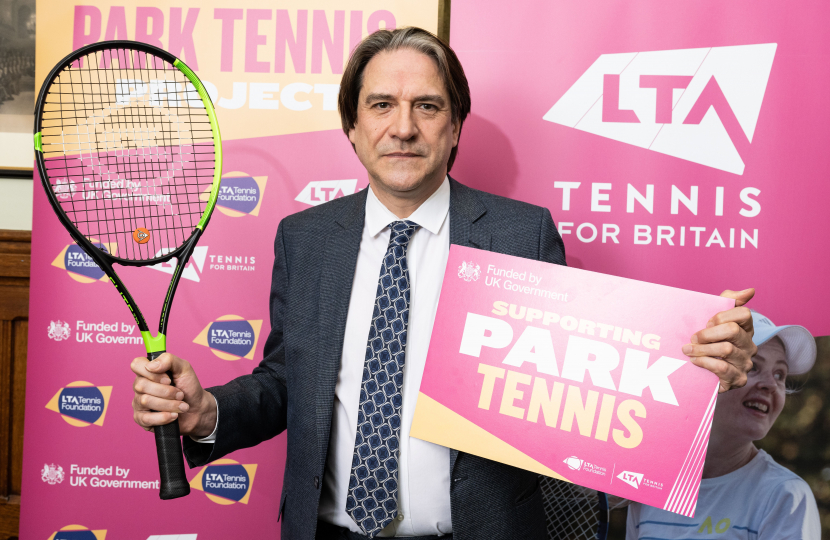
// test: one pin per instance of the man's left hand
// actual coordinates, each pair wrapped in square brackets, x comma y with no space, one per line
[725,346]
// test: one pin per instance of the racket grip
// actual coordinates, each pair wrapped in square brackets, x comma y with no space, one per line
[169,448]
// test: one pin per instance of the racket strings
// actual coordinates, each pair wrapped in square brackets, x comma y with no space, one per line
[572,512]
[129,151]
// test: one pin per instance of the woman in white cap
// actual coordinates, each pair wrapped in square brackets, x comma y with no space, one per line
[744,494]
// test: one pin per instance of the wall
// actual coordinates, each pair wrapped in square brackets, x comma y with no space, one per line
[15,247]
[16,204]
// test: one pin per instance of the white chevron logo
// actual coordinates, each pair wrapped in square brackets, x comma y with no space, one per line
[194,266]
[700,105]
[316,193]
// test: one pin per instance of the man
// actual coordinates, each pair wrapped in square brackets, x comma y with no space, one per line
[353,299]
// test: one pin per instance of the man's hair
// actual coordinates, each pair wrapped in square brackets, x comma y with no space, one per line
[416,39]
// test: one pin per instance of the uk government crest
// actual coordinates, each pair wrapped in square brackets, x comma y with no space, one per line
[469,271]
[59,330]
[53,474]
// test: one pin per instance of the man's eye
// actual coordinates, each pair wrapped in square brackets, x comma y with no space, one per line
[382,105]
[428,106]
[754,367]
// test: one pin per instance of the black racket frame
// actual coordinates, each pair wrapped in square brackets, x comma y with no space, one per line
[173,482]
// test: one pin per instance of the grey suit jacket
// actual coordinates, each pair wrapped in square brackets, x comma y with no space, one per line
[293,387]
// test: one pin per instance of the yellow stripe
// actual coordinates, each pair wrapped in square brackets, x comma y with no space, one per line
[438,424]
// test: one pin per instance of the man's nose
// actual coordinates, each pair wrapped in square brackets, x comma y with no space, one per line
[403,125]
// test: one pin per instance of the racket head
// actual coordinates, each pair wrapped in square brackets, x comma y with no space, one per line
[574,512]
[129,151]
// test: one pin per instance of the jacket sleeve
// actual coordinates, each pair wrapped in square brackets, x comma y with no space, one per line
[253,407]
[551,247]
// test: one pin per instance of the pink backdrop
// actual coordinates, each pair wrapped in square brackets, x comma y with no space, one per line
[272,72]
[116,441]
[521,61]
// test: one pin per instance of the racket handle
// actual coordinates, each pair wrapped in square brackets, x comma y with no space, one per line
[169,448]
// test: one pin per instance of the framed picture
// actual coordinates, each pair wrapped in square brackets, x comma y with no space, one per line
[17,86]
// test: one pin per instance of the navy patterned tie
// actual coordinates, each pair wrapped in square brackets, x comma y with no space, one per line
[372,501]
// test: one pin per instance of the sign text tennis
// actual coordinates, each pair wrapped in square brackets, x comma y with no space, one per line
[589,354]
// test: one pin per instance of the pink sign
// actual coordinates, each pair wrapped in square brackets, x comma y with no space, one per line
[680,143]
[571,374]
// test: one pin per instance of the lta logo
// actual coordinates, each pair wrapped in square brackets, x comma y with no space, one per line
[226,481]
[700,105]
[316,193]
[79,265]
[193,269]
[231,337]
[631,478]
[78,532]
[81,403]
[240,194]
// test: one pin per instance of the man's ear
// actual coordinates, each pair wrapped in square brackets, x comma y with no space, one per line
[351,135]
[456,132]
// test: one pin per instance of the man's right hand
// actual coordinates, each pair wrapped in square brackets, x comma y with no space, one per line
[156,402]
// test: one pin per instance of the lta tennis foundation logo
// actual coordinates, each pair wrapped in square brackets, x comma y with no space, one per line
[78,532]
[81,403]
[240,194]
[700,105]
[79,265]
[226,481]
[231,337]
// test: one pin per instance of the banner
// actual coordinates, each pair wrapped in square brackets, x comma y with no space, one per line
[570,374]
[273,73]
[680,143]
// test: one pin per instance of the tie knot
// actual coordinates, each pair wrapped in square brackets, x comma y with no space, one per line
[402,232]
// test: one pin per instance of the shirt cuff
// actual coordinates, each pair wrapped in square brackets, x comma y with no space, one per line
[210,439]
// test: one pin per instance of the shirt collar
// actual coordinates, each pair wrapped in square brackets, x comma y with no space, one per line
[430,215]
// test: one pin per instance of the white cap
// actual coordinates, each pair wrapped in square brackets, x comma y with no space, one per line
[799,344]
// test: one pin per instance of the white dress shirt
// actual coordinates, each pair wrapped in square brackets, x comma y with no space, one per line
[423,468]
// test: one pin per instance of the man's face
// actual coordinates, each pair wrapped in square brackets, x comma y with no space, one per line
[404,132]
[750,412]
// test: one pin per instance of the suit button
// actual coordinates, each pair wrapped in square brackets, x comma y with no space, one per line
[317,482]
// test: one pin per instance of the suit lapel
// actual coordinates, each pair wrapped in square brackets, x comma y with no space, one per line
[465,210]
[339,261]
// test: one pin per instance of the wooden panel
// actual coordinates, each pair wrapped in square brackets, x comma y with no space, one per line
[15,258]
[14,298]
[20,332]
[10,517]
[444,20]
[7,235]
[13,264]
[5,407]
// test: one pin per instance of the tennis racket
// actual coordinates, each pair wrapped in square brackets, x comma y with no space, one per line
[574,512]
[128,150]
